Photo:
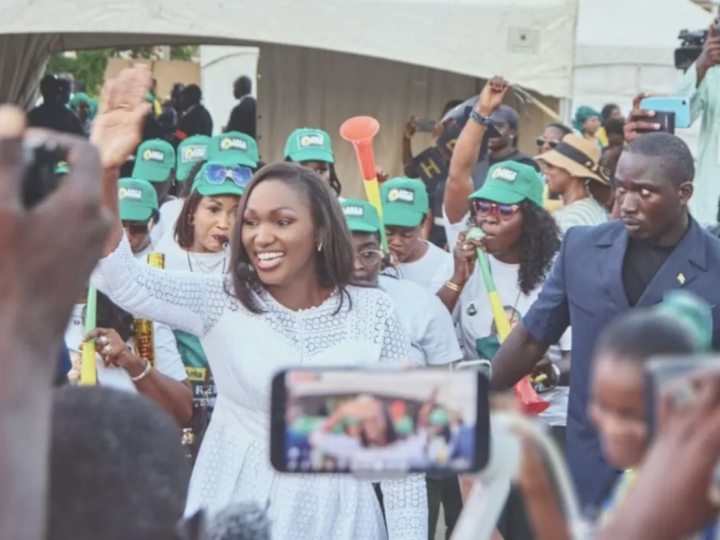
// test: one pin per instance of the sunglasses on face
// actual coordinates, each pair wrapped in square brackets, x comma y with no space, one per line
[503,211]
[551,143]
[217,174]
[370,257]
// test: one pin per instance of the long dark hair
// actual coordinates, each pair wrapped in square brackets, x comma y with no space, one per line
[541,241]
[334,261]
[184,227]
[540,237]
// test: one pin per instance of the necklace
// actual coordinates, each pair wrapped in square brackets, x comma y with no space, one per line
[205,268]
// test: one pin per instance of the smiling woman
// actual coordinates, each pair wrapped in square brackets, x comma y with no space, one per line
[287,302]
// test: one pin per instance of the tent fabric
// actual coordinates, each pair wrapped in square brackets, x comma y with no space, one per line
[300,87]
[532,41]
[627,47]
[22,63]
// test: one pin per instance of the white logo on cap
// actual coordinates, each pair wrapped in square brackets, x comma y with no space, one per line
[154,155]
[403,195]
[130,194]
[502,173]
[316,139]
[354,211]
[193,153]
[233,142]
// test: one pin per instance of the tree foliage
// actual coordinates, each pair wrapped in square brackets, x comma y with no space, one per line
[89,66]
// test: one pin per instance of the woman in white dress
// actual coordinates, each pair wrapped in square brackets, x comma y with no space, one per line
[286,302]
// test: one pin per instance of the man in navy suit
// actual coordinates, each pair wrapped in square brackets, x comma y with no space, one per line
[605,270]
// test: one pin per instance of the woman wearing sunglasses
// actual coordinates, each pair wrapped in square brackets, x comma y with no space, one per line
[573,171]
[312,148]
[202,233]
[521,239]
[551,137]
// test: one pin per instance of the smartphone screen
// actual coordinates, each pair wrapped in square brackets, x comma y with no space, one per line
[425,126]
[351,421]
[663,372]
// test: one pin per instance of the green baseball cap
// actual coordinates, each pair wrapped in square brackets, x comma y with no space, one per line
[405,426]
[309,145]
[405,202]
[234,148]
[154,161]
[361,216]
[225,184]
[510,182]
[189,152]
[137,199]
[439,417]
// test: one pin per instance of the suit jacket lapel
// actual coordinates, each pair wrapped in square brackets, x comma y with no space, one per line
[613,245]
[680,268]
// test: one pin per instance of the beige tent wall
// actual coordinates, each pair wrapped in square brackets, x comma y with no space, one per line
[299,87]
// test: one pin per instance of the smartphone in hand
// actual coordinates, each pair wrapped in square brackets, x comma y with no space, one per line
[424,126]
[380,422]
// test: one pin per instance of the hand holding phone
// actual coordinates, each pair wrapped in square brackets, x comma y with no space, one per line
[677,106]
[380,422]
[424,126]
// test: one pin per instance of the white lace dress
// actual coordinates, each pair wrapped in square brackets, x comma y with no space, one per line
[245,350]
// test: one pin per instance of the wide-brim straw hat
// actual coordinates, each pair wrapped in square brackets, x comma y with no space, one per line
[578,156]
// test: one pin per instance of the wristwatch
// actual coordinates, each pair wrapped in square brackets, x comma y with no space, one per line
[480,119]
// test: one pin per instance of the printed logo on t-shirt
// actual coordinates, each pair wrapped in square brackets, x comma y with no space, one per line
[131,194]
[233,142]
[316,140]
[501,173]
[153,155]
[193,153]
[401,195]
[354,211]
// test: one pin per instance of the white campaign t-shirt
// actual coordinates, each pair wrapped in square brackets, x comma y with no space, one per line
[431,271]
[169,213]
[475,319]
[178,259]
[167,357]
[426,320]
[582,212]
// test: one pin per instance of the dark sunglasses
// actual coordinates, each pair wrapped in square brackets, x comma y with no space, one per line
[541,142]
[370,257]
[217,174]
[504,211]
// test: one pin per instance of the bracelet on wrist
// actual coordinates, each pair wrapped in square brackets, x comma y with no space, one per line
[453,286]
[145,372]
[480,119]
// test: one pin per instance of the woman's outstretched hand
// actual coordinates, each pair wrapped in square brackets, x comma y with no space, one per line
[117,128]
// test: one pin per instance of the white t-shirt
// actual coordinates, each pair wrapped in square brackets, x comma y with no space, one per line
[582,212]
[169,213]
[178,259]
[475,319]
[431,271]
[426,320]
[167,357]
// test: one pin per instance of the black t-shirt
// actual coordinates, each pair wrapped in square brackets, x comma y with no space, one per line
[56,117]
[642,261]
[243,117]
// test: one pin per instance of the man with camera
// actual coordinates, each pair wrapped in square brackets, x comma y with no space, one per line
[701,85]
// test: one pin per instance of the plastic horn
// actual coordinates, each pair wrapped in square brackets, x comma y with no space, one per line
[360,131]
[88,369]
[523,389]
[143,330]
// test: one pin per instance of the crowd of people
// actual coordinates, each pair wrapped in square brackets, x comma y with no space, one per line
[236,269]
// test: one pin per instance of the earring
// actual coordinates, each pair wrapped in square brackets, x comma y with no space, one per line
[319,247]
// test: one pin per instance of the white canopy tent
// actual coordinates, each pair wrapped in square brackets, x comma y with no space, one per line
[322,61]
[625,47]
